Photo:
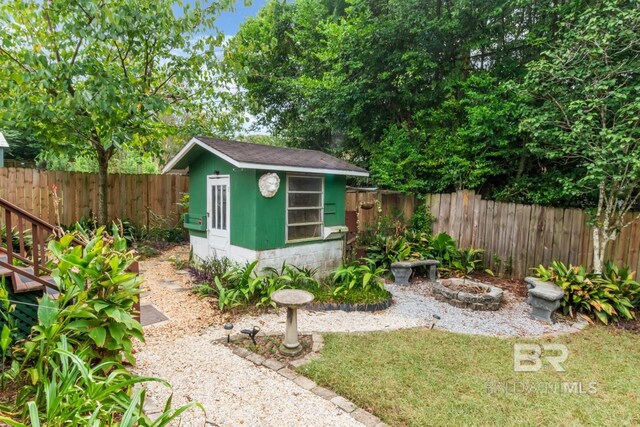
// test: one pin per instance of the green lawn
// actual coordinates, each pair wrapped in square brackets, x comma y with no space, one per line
[431,377]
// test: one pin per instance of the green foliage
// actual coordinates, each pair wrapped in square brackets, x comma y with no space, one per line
[238,285]
[584,110]
[384,251]
[8,336]
[358,275]
[77,393]
[69,370]
[15,238]
[612,296]
[467,261]
[422,220]
[96,78]
[419,91]
[130,162]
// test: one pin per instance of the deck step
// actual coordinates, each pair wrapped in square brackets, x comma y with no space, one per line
[4,272]
[25,284]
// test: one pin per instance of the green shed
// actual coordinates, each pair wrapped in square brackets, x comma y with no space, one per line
[259,202]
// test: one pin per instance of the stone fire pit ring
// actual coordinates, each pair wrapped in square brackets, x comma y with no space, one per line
[488,301]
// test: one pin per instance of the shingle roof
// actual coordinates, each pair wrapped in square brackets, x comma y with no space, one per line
[258,156]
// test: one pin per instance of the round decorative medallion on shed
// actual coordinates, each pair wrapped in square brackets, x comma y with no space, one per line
[269,184]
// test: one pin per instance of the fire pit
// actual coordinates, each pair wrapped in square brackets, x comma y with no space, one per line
[465,293]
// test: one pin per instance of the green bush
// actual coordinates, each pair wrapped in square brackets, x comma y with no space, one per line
[612,296]
[69,370]
[454,261]
[237,285]
[358,276]
[385,250]
[82,394]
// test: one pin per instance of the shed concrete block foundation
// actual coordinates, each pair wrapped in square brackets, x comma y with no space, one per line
[326,256]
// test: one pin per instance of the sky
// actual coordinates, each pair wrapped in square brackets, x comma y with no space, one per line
[229,22]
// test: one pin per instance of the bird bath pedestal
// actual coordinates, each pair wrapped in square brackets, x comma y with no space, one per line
[292,299]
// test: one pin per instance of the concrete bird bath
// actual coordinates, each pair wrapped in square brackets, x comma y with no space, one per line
[292,299]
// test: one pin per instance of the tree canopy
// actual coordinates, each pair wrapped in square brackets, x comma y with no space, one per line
[585,110]
[95,77]
[425,93]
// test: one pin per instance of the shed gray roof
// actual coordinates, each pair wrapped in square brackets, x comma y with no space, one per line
[3,142]
[258,156]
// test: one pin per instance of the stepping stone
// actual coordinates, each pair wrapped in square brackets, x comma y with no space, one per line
[150,315]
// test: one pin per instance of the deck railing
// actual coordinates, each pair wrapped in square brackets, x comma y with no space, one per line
[41,231]
[35,259]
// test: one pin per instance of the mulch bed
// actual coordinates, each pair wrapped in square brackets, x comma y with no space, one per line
[629,325]
[267,346]
[517,287]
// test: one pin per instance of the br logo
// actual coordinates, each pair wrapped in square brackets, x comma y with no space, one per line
[528,357]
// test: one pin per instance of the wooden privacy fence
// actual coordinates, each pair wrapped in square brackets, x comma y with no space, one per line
[513,236]
[136,198]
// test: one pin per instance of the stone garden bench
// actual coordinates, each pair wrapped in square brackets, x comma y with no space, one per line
[402,270]
[544,298]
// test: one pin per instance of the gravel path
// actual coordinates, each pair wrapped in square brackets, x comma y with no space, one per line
[236,392]
[233,390]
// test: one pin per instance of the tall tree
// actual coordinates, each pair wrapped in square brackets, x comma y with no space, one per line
[424,84]
[586,90]
[97,76]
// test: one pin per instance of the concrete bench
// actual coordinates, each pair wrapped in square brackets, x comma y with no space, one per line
[402,270]
[544,299]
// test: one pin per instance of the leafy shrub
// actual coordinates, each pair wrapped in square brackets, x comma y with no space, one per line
[236,284]
[466,261]
[204,271]
[358,276]
[422,220]
[69,370]
[443,248]
[8,335]
[77,393]
[384,251]
[607,297]
[98,293]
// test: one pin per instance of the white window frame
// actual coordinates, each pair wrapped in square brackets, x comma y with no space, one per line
[321,208]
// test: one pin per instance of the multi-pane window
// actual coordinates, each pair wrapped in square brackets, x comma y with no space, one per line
[305,204]
[219,207]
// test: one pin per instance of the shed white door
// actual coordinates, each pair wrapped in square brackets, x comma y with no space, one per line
[218,226]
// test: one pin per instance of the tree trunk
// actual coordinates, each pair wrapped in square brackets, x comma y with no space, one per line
[598,250]
[103,186]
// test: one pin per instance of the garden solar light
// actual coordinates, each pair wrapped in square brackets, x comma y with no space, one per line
[435,316]
[252,333]
[228,327]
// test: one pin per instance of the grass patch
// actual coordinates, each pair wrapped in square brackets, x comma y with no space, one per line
[431,377]
[324,293]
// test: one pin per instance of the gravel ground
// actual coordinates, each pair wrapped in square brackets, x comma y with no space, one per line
[187,313]
[235,392]
[413,307]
